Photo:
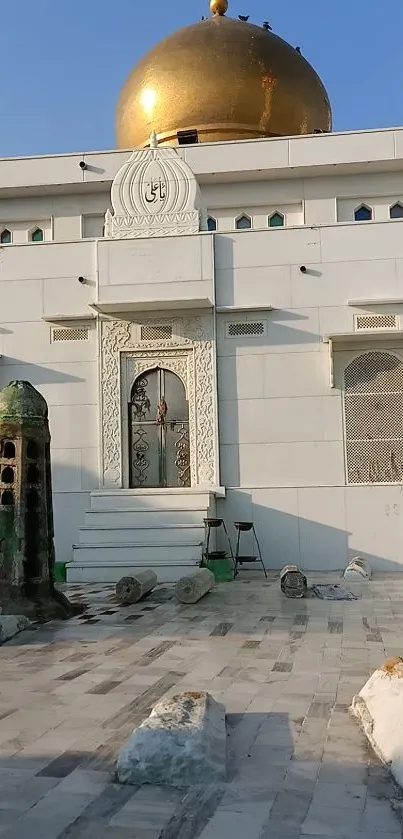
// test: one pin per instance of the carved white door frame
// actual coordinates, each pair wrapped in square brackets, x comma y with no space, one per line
[192,358]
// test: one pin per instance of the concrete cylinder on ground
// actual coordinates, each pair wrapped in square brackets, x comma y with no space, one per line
[130,590]
[293,582]
[192,588]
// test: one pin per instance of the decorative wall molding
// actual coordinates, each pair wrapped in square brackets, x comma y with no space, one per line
[155,193]
[191,357]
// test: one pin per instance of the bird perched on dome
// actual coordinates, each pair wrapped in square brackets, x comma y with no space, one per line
[244,18]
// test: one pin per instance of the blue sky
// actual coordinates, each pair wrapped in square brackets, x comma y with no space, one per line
[62,64]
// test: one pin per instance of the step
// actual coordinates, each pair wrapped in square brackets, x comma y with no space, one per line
[115,552]
[182,499]
[148,535]
[104,572]
[141,517]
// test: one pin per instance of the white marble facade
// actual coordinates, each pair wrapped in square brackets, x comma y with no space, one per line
[261,346]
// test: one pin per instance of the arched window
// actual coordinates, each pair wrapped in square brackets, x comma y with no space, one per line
[7,498]
[243,222]
[363,213]
[211,224]
[32,474]
[37,235]
[8,449]
[32,449]
[276,220]
[373,411]
[5,237]
[396,211]
[7,475]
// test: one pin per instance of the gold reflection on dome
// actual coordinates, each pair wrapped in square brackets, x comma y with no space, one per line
[229,79]
[149,100]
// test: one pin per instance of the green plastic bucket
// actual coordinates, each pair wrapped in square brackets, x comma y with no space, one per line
[60,572]
[220,566]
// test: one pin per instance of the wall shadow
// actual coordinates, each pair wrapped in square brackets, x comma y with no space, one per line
[287,539]
[36,374]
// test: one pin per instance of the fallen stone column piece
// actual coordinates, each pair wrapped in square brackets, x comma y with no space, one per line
[378,707]
[192,588]
[181,744]
[293,582]
[358,570]
[11,625]
[130,590]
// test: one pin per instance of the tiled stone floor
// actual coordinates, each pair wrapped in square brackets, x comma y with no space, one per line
[298,766]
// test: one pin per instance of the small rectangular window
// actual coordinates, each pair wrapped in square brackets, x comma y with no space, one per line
[156,332]
[364,322]
[74,333]
[245,329]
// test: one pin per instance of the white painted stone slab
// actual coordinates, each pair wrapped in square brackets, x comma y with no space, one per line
[358,570]
[182,743]
[379,708]
[11,625]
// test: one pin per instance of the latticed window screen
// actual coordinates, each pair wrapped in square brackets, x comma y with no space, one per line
[246,328]
[74,333]
[373,409]
[363,322]
[158,332]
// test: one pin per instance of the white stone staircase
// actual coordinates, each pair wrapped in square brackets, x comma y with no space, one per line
[129,529]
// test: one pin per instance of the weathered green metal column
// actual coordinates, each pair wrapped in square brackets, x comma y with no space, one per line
[26,509]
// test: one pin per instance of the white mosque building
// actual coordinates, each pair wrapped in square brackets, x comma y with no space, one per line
[214,314]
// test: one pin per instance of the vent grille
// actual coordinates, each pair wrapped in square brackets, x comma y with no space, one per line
[159,332]
[74,333]
[364,322]
[246,329]
[373,410]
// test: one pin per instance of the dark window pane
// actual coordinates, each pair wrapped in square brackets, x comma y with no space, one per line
[396,211]
[276,220]
[211,224]
[5,237]
[243,223]
[363,214]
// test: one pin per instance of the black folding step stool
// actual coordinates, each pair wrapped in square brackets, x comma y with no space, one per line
[240,559]
[214,524]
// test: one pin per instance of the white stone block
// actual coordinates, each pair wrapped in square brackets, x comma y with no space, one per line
[378,707]
[182,743]
[11,625]
[358,570]
[192,588]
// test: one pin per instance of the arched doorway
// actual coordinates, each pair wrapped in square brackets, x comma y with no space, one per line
[159,450]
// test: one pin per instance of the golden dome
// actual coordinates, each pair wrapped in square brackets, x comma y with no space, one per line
[226,78]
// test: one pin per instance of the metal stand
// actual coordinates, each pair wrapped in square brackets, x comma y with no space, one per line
[213,524]
[240,559]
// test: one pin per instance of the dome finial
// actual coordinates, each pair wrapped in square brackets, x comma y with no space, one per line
[219,7]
